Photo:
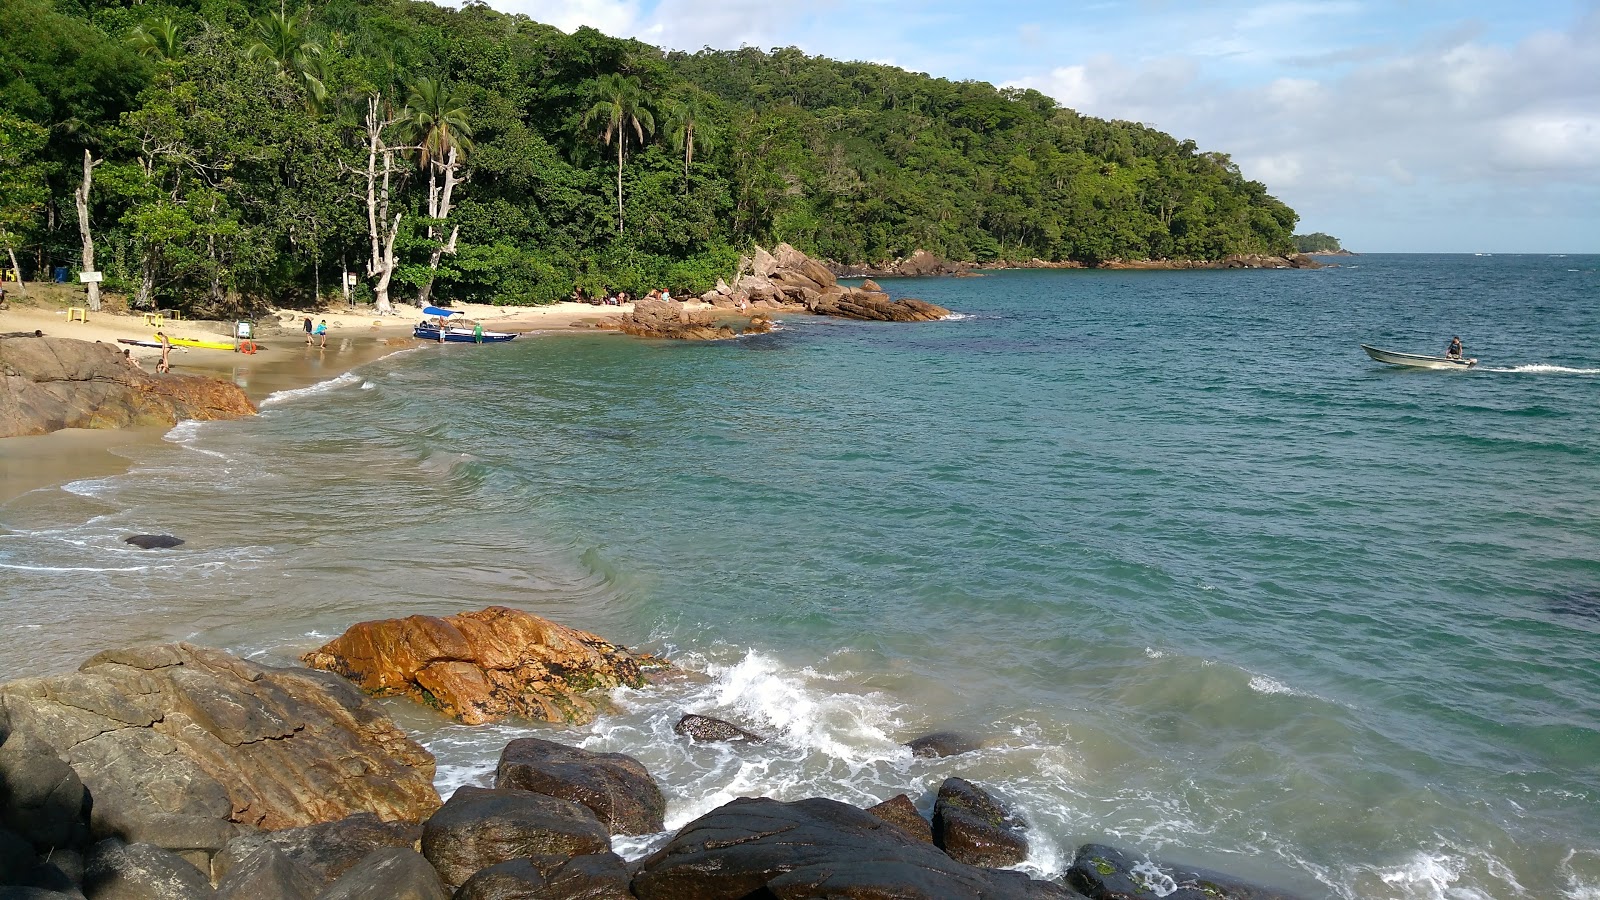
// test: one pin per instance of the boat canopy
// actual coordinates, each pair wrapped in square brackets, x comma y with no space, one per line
[436,311]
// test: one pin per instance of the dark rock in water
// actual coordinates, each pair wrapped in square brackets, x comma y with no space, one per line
[1106,873]
[899,810]
[975,828]
[943,743]
[118,871]
[597,876]
[269,872]
[392,873]
[706,729]
[1030,888]
[327,849]
[153,541]
[479,827]
[617,788]
[185,747]
[757,847]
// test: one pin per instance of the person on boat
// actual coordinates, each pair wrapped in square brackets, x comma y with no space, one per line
[1455,351]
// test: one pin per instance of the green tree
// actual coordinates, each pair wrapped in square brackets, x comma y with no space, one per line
[22,185]
[689,129]
[283,42]
[622,106]
[156,39]
[436,122]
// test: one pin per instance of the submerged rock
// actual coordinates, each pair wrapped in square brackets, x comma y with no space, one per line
[479,667]
[615,787]
[50,383]
[183,747]
[1106,873]
[706,729]
[756,847]
[974,827]
[153,541]
[943,743]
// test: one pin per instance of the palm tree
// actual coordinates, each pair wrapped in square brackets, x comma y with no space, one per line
[156,39]
[434,121]
[621,107]
[686,125]
[281,41]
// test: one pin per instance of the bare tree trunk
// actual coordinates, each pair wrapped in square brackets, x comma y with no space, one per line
[439,207]
[16,269]
[83,227]
[147,280]
[381,262]
[386,267]
[619,184]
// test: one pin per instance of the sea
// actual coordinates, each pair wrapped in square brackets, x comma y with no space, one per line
[1206,582]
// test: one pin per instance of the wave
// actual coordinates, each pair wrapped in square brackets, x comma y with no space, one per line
[321,387]
[1543,369]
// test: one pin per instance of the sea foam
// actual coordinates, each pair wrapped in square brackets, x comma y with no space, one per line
[321,387]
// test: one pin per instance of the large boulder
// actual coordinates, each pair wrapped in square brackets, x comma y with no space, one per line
[595,876]
[391,873]
[974,827]
[269,872]
[42,799]
[482,666]
[49,383]
[183,747]
[1105,873]
[118,871]
[479,827]
[757,847]
[671,319]
[327,850]
[614,786]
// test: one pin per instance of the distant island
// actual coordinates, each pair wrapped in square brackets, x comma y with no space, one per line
[1319,243]
[222,160]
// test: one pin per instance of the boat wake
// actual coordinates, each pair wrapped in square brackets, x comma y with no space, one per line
[1542,369]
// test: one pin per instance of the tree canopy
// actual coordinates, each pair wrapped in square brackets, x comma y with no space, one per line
[235,156]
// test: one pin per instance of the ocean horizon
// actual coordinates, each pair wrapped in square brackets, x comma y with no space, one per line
[1207,582]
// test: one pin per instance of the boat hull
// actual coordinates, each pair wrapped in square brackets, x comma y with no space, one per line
[1417,360]
[203,345]
[461,335]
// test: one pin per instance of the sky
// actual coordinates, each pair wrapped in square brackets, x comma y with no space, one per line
[1401,126]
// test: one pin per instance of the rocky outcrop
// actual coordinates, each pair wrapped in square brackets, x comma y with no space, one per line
[615,787]
[705,729]
[787,278]
[1106,873]
[392,873]
[1236,261]
[326,850]
[973,827]
[183,747]
[671,319]
[479,667]
[920,263]
[756,847]
[479,827]
[49,383]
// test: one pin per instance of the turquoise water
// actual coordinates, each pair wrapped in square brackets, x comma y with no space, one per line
[1209,582]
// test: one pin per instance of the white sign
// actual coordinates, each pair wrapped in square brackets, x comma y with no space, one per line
[88,277]
[351,279]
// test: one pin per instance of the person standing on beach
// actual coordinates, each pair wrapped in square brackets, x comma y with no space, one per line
[308,331]
[322,332]
[166,352]
[477,332]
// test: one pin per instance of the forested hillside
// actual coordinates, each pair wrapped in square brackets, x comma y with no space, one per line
[243,152]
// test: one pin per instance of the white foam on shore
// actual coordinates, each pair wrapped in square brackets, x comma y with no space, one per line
[321,387]
[65,570]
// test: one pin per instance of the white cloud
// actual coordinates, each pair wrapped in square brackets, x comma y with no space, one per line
[609,16]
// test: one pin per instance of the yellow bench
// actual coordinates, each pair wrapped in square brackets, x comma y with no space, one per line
[77,314]
[154,320]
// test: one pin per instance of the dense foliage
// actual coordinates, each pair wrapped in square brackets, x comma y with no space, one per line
[1316,243]
[237,148]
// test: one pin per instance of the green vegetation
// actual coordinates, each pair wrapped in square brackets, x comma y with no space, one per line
[1317,243]
[247,152]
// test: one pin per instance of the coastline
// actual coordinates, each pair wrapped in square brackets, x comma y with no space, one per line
[285,363]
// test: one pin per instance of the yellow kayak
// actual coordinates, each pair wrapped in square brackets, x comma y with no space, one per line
[204,345]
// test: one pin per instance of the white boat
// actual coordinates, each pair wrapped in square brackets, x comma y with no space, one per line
[1417,360]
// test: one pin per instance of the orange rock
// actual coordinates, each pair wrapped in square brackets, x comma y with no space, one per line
[478,667]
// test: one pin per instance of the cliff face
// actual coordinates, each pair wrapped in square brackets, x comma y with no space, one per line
[49,383]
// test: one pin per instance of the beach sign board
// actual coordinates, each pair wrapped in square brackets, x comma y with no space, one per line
[88,277]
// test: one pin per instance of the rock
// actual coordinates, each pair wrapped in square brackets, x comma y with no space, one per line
[922,263]
[760,323]
[671,319]
[269,872]
[118,871]
[943,743]
[49,383]
[615,787]
[392,873]
[975,828]
[858,304]
[16,856]
[153,541]
[871,286]
[595,876]
[482,666]
[899,810]
[704,729]
[183,746]
[479,827]
[327,849]
[756,847]
[514,879]
[41,798]
[1106,873]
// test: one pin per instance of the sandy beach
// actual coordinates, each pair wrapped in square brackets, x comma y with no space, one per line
[284,362]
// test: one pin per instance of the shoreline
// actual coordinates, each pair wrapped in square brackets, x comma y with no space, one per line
[286,362]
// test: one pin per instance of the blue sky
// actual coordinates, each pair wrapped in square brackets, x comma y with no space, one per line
[1402,126]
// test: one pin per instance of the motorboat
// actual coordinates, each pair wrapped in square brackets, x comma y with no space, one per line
[429,331]
[1418,360]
